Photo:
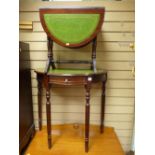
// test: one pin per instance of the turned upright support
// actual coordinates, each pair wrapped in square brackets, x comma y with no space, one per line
[87,114]
[94,45]
[50,55]
[39,79]
[102,106]
[48,112]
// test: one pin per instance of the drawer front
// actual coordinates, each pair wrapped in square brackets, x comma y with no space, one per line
[77,80]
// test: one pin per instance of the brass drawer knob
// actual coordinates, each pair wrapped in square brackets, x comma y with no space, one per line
[66,80]
[89,78]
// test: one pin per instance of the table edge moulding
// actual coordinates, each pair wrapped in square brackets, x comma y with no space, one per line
[66,77]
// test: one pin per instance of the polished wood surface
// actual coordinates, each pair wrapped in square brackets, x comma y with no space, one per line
[102,107]
[68,140]
[39,101]
[87,115]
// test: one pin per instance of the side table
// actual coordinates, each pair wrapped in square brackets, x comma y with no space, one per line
[68,78]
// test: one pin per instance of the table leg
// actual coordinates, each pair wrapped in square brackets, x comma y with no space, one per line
[102,107]
[48,115]
[87,115]
[39,101]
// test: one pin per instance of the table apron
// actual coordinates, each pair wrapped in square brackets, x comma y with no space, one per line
[74,80]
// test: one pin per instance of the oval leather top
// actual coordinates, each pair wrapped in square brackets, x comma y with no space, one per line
[72,27]
[70,72]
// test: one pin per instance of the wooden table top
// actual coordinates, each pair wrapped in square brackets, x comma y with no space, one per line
[70,72]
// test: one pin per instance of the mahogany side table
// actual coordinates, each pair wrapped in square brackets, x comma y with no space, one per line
[86,79]
[71,27]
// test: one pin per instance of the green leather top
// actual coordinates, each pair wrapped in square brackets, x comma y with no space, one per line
[71,28]
[69,72]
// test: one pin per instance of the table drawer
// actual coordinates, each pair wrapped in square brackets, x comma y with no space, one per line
[67,80]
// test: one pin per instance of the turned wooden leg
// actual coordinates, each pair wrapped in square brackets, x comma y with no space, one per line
[87,115]
[48,115]
[39,101]
[102,107]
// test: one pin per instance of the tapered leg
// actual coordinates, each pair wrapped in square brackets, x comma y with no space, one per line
[102,107]
[48,115]
[39,101]
[87,115]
